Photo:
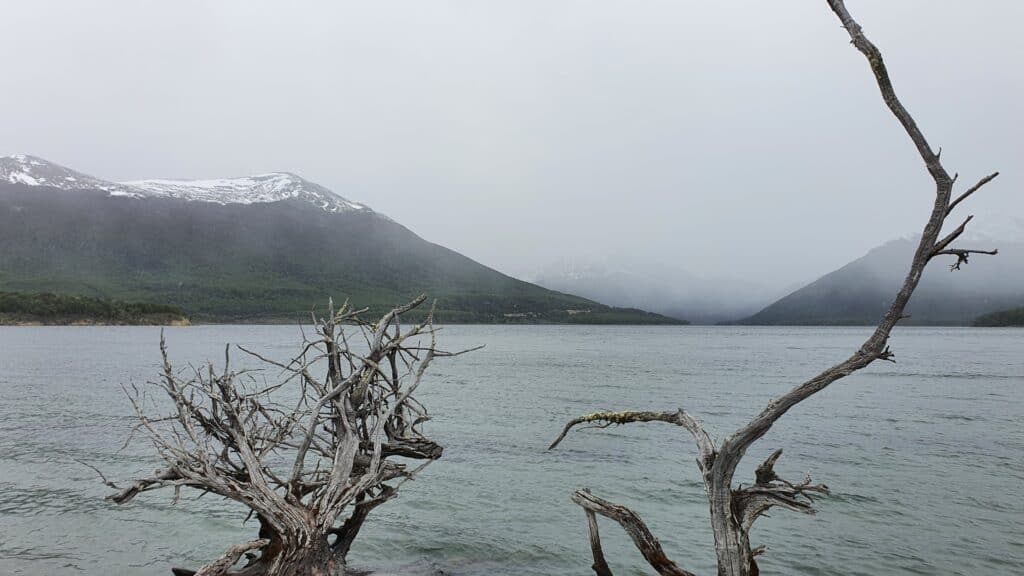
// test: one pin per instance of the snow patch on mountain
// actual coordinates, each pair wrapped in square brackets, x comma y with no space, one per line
[263,188]
[33,171]
[247,190]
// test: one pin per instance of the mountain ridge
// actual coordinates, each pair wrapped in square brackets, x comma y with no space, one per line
[255,260]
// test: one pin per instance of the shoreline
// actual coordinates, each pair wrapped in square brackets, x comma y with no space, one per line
[25,322]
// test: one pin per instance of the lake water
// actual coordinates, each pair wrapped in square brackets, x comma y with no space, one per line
[925,457]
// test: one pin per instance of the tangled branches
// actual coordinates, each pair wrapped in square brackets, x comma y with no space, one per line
[311,455]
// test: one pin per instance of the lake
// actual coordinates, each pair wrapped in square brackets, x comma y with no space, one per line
[925,457]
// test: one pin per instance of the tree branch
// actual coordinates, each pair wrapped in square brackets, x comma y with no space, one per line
[962,255]
[949,238]
[600,565]
[220,566]
[770,490]
[705,446]
[637,530]
[970,191]
[159,479]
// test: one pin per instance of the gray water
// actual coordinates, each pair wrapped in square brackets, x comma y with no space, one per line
[925,458]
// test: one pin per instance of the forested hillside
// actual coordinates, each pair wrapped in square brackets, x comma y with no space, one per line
[255,262]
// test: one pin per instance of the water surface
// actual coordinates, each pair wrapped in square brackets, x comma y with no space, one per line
[925,457]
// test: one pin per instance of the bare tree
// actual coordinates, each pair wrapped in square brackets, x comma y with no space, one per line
[734,509]
[309,456]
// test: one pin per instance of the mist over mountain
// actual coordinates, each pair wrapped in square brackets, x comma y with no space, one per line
[663,289]
[860,292]
[857,293]
[270,246]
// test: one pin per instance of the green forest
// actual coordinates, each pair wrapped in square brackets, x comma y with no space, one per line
[47,308]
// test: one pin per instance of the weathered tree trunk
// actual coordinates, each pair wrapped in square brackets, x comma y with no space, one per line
[305,554]
[300,555]
[732,545]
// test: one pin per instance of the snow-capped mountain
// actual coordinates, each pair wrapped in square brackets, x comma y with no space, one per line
[263,188]
[268,247]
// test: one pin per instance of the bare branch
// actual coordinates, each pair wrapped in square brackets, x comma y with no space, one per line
[97,471]
[769,490]
[159,479]
[970,191]
[705,445]
[637,530]
[220,566]
[949,238]
[600,565]
[963,255]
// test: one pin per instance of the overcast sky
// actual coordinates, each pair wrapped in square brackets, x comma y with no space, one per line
[742,138]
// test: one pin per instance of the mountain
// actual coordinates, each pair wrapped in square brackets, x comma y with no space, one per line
[661,289]
[255,248]
[860,292]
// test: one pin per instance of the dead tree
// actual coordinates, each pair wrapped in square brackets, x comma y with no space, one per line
[310,455]
[734,509]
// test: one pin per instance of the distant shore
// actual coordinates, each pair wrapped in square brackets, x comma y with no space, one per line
[1011,318]
[6,320]
[47,309]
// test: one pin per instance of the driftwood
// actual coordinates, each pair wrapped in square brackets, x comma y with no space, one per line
[309,456]
[733,510]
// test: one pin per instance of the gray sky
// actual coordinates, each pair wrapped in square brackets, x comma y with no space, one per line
[742,138]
